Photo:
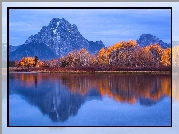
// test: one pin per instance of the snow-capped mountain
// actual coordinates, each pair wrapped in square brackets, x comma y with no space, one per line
[147,39]
[60,37]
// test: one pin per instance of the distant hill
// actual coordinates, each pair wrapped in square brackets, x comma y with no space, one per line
[33,49]
[147,39]
[94,47]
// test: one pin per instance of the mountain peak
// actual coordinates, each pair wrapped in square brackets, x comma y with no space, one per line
[55,22]
[60,37]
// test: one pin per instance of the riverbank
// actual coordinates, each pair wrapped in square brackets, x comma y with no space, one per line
[71,71]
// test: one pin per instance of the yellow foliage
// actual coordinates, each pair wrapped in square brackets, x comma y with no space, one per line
[132,43]
[117,46]
[166,57]
[39,64]
[105,54]
[155,47]
[102,52]
[27,62]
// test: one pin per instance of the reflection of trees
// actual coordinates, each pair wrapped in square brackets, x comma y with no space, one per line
[61,95]
[123,88]
[175,87]
[28,79]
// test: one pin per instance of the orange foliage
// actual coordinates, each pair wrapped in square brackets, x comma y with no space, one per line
[121,55]
[39,63]
[120,88]
[112,87]
[166,57]
[103,56]
[143,57]
[27,62]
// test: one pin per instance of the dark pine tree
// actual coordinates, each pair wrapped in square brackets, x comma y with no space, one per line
[36,59]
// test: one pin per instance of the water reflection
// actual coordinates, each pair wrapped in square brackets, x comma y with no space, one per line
[175,87]
[60,95]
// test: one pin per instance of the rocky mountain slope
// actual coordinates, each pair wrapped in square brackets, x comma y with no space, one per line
[57,39]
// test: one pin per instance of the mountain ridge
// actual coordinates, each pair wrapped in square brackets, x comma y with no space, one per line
[147,39]
[60,37]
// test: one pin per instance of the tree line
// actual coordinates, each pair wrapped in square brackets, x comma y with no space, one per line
[120,56]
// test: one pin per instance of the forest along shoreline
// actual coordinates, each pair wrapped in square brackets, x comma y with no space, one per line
[86,71]
[123,57]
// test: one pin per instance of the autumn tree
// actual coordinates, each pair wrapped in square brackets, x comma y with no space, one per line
[85,58]
[143,58]
[40,63]
[156,51]
[63,61]
[121,54]
[166,57]
[54,62]
[27,62]
[130,54]
[77,59]
[102,57]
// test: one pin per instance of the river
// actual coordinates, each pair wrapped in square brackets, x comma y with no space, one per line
[37,99]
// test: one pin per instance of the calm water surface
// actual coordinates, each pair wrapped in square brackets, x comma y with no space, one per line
[89,100]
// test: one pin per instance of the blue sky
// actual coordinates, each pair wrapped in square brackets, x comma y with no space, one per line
[108,25]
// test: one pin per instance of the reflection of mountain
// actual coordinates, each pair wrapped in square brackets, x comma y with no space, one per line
[61,96]
[147,102]
[56,104]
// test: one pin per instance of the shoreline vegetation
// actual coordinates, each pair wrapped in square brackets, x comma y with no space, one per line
[122,58]
[85,71]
